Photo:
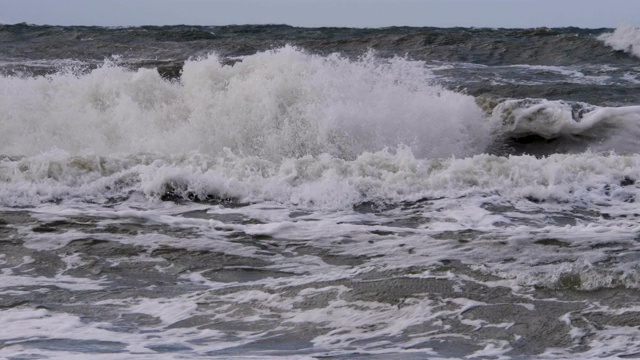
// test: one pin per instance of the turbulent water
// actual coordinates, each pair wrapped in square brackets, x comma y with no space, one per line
[269,191]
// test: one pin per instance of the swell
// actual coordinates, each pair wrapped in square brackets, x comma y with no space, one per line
[175,44]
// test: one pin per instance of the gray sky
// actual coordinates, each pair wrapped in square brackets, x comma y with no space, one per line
[351,13]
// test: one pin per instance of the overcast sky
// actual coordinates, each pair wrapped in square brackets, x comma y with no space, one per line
[351,13]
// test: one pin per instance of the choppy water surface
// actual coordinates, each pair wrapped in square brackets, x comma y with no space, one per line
[268,191]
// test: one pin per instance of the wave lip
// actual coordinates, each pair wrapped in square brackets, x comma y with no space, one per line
[580,125]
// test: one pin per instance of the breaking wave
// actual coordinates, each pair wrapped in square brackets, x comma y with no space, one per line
[276,104]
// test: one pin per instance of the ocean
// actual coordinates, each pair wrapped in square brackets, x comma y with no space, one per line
[257,192]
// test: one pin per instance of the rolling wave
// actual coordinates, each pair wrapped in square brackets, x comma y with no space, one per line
[573,126]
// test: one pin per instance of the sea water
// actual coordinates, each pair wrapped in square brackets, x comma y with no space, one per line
[276,192]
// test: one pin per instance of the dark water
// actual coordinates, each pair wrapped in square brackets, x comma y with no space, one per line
[542,46]
[30,49]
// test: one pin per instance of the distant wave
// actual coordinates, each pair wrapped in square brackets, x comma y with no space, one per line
[175,44]
[574,126]
[625,38]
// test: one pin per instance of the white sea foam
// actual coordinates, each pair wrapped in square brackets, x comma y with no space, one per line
[322,182]
[625,38]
